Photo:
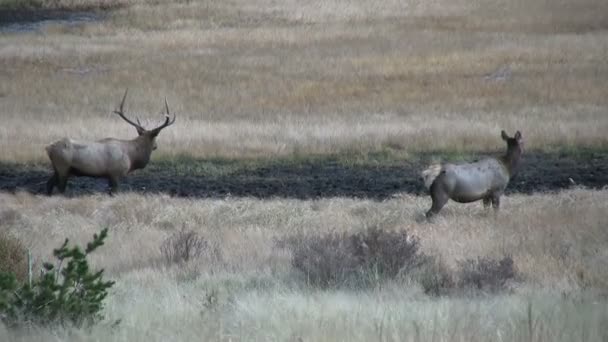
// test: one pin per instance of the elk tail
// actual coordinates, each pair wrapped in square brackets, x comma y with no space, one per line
[430,174]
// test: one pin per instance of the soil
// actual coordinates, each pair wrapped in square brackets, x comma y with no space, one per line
[309,179]
[27,20]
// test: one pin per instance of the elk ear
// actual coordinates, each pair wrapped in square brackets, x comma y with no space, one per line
[504,135]
[518,136]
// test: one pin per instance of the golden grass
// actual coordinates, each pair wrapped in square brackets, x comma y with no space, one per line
[553,238]
[293,316]
[558,243]
[264,78]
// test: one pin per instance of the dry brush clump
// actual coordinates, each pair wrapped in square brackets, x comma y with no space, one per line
[436,279]
[375,255]
[183,246]
[355,259]
[472,276]
[487,274]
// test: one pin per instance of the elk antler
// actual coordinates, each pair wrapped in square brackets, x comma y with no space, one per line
[122,115]
[167,121]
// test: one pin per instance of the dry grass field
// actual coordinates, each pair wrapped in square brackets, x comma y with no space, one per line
[558,243]
[265,79]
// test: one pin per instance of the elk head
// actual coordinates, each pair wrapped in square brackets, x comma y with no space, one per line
[515,143]
[515,148]
[144,134]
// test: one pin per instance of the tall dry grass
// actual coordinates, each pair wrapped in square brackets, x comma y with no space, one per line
[252,292]
[387,315]
[556,240]
[264,78]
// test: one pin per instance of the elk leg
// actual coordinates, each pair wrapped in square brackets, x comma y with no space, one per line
[487,201]
[50,184]
[113,185]
[439,197]
[62,182]
[496,202]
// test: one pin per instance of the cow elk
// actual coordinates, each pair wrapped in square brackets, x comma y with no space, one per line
[106,158]
[483,180]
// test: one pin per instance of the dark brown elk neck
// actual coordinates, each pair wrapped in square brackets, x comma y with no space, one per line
[139,150]
[511,159]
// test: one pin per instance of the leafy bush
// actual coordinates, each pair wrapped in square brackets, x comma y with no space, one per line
[13,256]
[62,295]
[361,259]
[486,274]
[183,246]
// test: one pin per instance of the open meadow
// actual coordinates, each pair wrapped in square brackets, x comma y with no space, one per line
[296,121]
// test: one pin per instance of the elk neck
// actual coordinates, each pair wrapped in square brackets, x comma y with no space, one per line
[511,159]
[139,151]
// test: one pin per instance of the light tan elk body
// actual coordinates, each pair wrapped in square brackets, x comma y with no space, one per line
[483,180]
[106,158]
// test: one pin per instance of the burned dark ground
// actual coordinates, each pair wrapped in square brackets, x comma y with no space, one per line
[309,178]
[26,20]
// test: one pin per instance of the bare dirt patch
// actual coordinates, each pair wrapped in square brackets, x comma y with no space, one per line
[29,20]
[311,178]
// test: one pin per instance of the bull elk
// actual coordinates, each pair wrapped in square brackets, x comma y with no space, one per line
[106,158]
[483,180]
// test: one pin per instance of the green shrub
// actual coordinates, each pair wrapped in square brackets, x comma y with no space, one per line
[72,294]
[13,256]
